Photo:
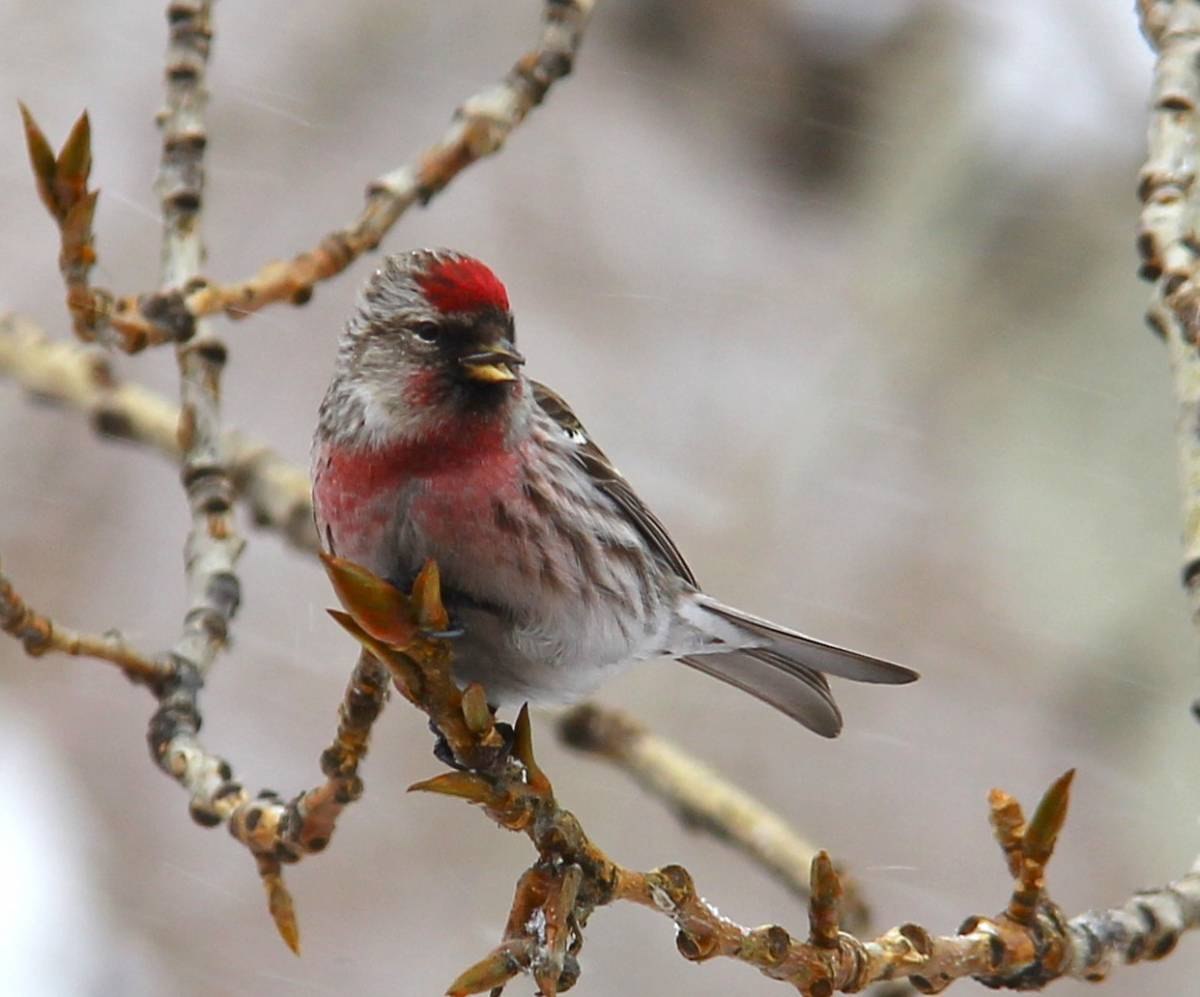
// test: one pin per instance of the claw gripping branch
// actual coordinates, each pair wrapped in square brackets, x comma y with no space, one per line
[1025,946]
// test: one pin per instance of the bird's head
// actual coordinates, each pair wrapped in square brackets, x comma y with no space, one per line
[431,343]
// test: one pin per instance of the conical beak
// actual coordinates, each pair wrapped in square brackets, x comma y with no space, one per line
[493,365]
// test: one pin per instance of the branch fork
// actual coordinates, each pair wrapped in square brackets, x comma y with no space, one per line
[170,315]
[403,635]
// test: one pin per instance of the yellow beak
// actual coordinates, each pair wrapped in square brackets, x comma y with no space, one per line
[489,373]
[492,366]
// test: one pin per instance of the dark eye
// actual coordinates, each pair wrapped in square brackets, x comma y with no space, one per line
[426,331]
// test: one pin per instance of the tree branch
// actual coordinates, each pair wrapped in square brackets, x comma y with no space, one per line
[62,183]
[39,634]
[1028,944]
[703,799]
[480,128]
[1167,239]
[213,545]
[277,492]
[276,832]
[1025,946]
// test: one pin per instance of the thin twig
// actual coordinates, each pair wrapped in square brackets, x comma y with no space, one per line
[213,545]
[39,635]
[277,492]
[480,128]
[278,832]
[1167,239]
[703,799]
[62,183]
[275,831]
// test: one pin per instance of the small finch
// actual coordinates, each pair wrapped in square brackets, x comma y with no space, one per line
[432,443]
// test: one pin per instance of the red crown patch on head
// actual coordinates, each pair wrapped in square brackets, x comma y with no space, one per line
[462,285]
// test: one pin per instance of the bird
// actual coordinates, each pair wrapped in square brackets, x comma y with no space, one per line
[432,442]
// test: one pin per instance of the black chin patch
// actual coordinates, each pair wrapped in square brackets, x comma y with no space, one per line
[481,396]
[475,333]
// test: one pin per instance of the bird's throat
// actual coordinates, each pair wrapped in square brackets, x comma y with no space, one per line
[459,444]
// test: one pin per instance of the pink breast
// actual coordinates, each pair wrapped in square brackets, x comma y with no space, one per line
[357,491]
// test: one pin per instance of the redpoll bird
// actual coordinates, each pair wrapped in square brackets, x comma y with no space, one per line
[432,443]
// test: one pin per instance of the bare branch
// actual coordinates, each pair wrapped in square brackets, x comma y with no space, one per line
[703,799]
[277,492]
[277,832]
[39,634]
[1001,952]
[1027,945]
[1167,239]
[480,128]
[213,545]
[62,183]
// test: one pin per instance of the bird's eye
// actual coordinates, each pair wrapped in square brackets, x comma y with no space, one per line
[426,331]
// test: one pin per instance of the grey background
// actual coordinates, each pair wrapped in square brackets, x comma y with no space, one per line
[846,288]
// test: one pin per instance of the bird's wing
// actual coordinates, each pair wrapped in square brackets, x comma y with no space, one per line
[610,481]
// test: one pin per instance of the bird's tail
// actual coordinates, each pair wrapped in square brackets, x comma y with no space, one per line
[785,668]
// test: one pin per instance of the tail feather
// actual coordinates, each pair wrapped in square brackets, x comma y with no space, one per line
[810,653]
[779,666]
[791,687]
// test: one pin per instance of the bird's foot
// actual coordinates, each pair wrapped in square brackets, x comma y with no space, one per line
[445,754]
[451,632]
[509,736]
[442,750]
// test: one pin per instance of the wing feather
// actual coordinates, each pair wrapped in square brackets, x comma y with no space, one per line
[609,480]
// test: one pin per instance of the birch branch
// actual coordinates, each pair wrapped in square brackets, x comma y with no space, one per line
[480,127]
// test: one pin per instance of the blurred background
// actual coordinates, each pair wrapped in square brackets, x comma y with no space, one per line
[847,289]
